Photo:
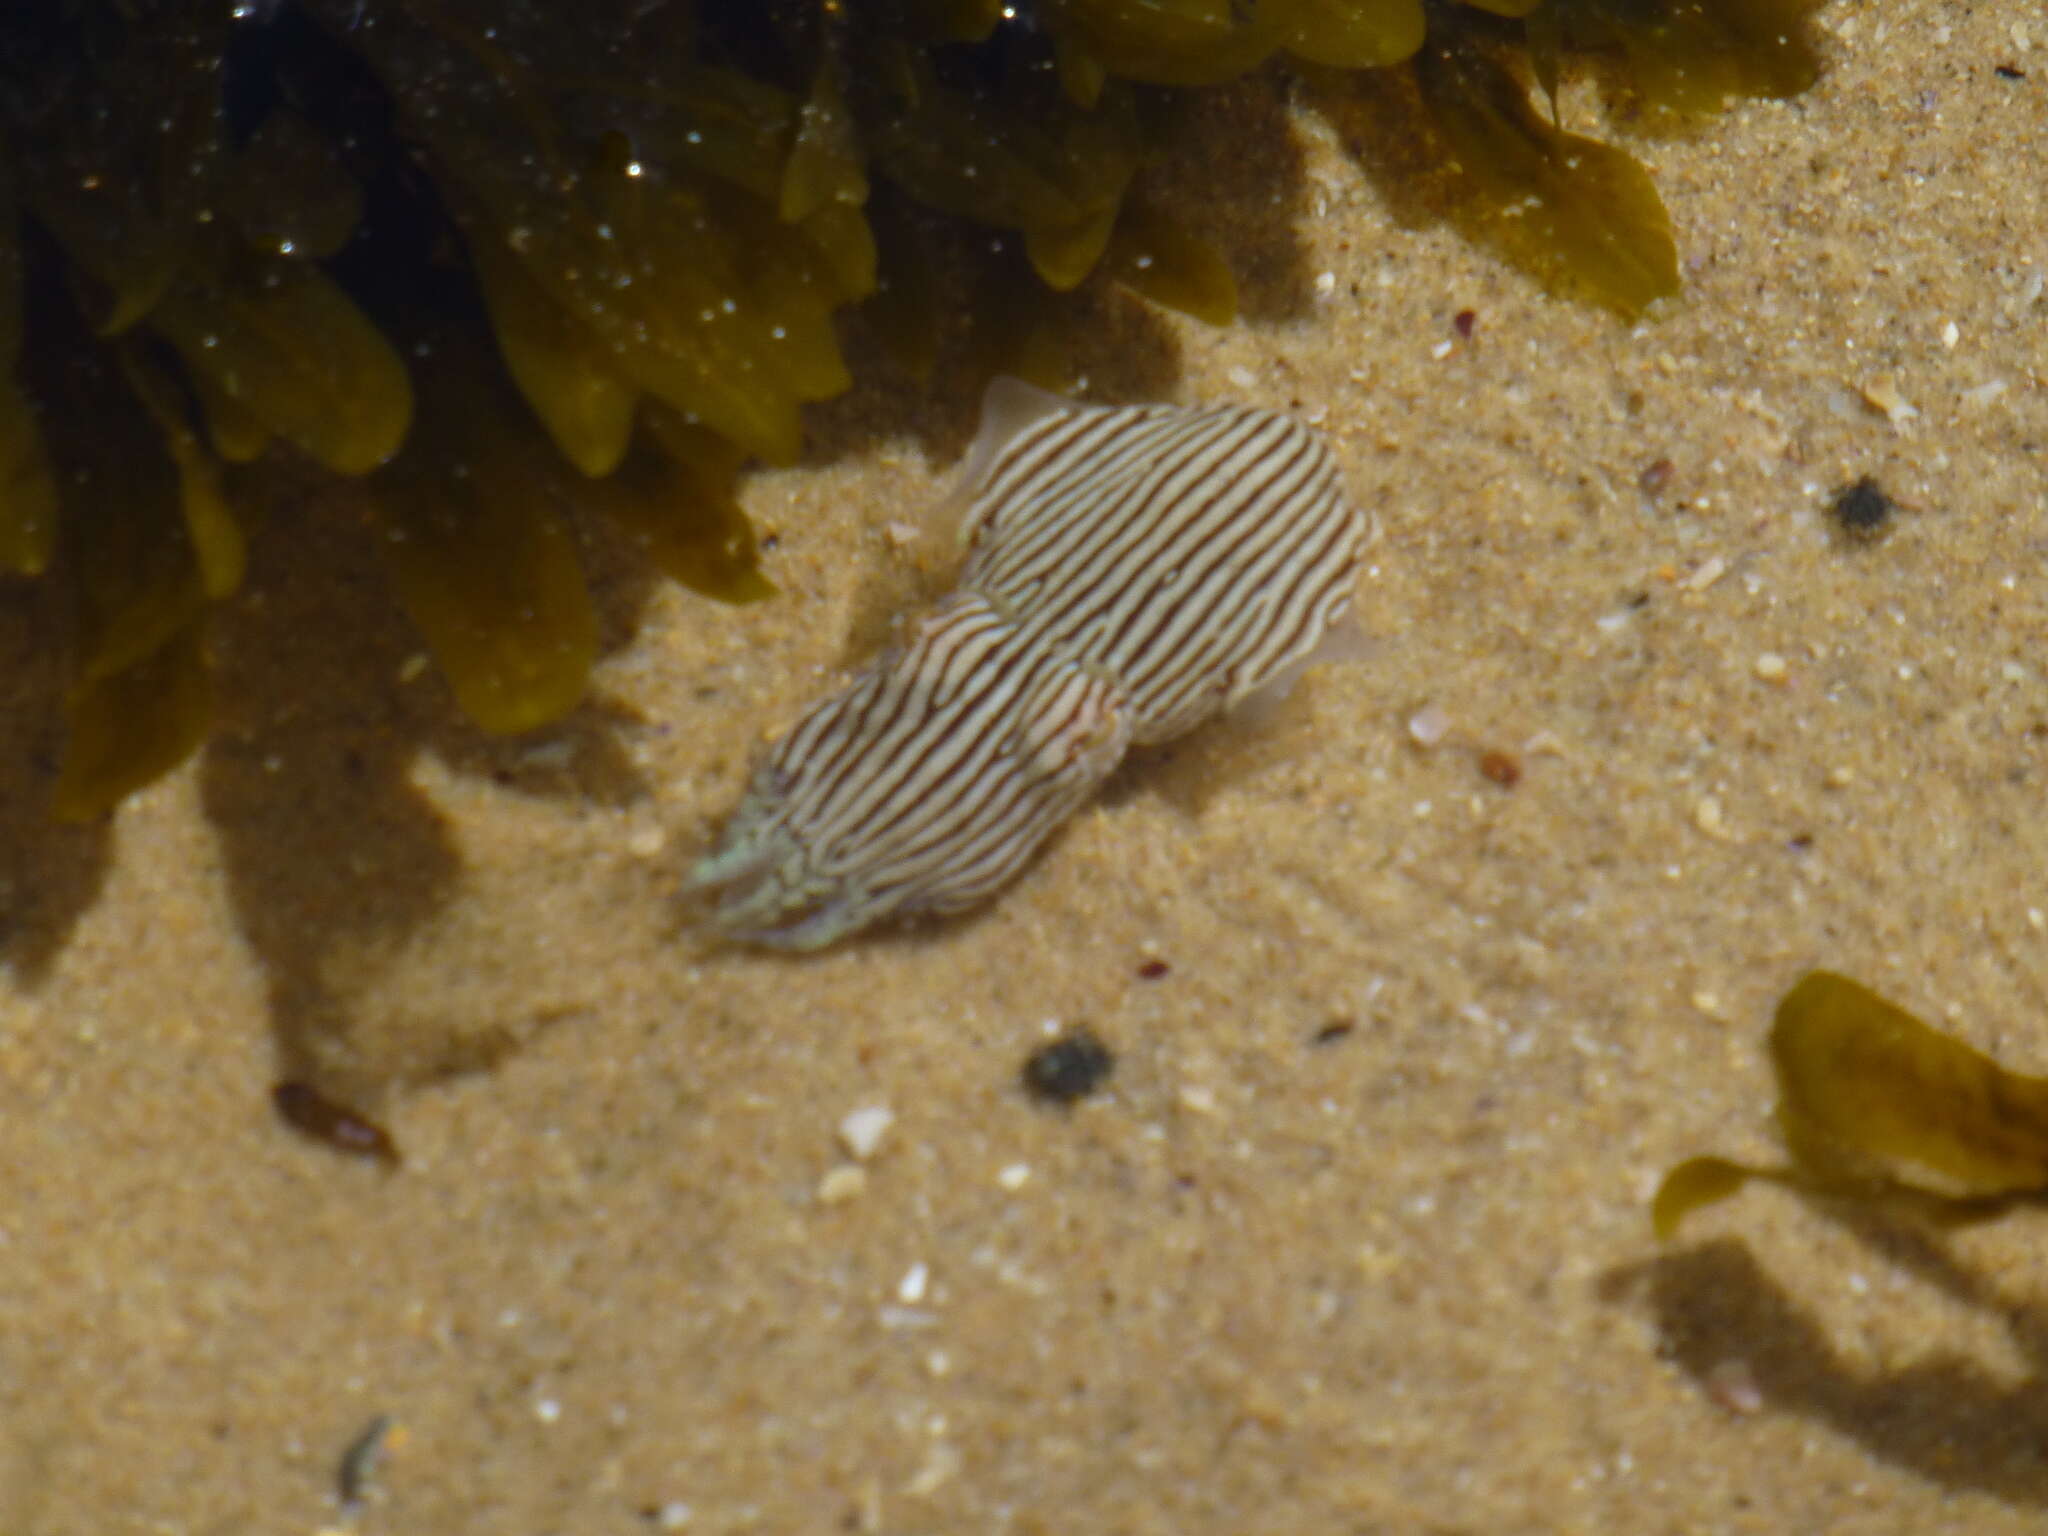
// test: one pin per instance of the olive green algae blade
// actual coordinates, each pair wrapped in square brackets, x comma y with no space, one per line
[1689,58]
[1026,159]
[1579,215]
[1701,1181]
[283,341]
[288,191]
[1867,1087]
[131,555]
[1354,34]
[1169,42]
[127,728]
[676,497]
[1151,254]
[824,165]
[1878,1108]
[218,544]
[479,549]
[694,291]
[565,373]
[236,436]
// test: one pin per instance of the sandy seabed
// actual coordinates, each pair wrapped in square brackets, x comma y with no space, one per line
[1397,1280]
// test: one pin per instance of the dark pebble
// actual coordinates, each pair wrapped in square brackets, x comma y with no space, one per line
[1069,1068]
[1862,509]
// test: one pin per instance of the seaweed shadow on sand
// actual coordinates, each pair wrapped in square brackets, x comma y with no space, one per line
[50,872]
[333,853]
[1947,1418]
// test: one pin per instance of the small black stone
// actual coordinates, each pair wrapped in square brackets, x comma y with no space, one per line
[1069,1068]
[1862,509]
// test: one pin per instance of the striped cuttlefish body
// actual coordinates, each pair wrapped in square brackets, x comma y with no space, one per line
[1131,572]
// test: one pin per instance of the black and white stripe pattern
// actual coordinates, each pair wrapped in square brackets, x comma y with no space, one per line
[1191,553]
[1131,571]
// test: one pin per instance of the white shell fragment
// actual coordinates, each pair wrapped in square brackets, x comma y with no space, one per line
[1131,572]
[862,1130]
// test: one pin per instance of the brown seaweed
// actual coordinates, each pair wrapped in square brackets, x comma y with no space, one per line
[659,216]
[1875,1105]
